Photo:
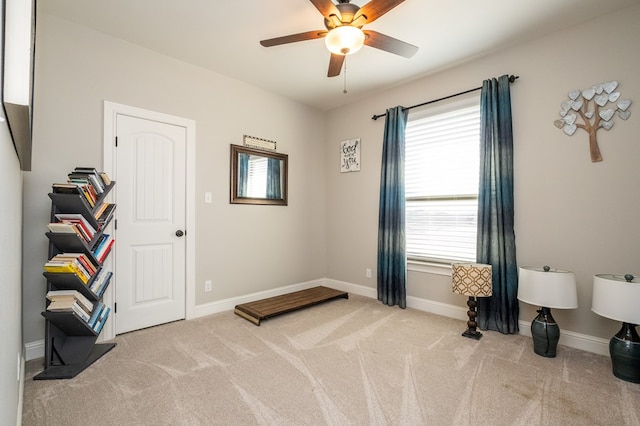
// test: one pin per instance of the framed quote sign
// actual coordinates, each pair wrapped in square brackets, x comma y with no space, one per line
[350,155]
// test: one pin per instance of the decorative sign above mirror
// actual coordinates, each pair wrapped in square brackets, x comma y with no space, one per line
[259,143]
[258,176]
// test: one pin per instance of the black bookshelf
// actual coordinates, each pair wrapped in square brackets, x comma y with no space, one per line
[70,341]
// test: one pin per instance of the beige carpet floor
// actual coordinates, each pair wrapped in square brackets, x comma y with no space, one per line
[345,362]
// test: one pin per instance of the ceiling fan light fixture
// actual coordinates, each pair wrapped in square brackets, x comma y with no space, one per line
[344,40]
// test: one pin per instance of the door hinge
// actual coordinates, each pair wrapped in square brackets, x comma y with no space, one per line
[115,224]
[115,307]
[116,141]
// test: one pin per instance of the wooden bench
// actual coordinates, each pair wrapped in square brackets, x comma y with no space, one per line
[270,307]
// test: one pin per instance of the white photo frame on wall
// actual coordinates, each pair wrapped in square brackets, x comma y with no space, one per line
[350,155]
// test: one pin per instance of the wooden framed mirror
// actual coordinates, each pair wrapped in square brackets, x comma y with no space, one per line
[258,177]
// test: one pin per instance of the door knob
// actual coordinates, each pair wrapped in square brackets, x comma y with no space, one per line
[179,233]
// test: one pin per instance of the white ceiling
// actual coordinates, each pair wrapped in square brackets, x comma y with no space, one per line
[224,36]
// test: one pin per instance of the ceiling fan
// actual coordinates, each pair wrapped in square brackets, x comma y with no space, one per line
[344,34]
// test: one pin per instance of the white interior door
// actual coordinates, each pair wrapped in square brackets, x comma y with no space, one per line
[151,215]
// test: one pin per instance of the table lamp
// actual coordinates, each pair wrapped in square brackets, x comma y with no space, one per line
[616,297]
[547,288]
[473,280]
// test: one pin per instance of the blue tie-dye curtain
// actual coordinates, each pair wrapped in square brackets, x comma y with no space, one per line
[243,174]
[392,257]
[496,238]
[274,189]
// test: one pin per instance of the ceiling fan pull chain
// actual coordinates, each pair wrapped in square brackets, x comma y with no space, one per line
[345,75]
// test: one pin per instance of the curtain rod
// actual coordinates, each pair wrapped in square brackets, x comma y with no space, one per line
[512,78]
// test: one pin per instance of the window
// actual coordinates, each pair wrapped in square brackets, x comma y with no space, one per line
[257,187]
[441,182]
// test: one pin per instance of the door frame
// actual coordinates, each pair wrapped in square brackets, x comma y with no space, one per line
[111,111]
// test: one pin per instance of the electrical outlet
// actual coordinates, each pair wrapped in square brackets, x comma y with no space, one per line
[207,285]
[368,272]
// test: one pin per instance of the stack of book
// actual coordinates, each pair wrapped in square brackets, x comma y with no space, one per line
[99,317]
[103,246]
[74,263]
[70,301]
[73,301]
[99,284]
[86,181]
[104,213]
[81,225]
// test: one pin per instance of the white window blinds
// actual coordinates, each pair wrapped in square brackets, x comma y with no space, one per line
[441,183]
[257,186]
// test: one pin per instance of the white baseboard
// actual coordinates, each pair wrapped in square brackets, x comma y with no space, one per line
[568,338]
[572,339]
[21,374]
[33,350]
[229,304]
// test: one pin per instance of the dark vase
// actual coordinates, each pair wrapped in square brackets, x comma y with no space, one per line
[624,348]
[545,333]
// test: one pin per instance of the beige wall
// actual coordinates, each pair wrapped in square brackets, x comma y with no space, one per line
[242,249]
[570,213]
[10,289]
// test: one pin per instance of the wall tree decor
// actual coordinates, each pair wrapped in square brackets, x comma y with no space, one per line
[590,109]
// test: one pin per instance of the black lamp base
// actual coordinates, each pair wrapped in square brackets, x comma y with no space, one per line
[473,334]
[471,331]
[545,333]
[624,348]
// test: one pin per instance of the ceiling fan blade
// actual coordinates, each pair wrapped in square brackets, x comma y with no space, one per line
[376,8]
[326,7]
[292,38]
[389,44]
[335,65]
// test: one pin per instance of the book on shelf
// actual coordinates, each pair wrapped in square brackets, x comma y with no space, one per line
[95,315]
[105,178]
[96,182]
[78,219]
[100,210]
[89,176]
[103,247]
[72,187]
[99,284]
[66,188]
[68,306]
[75,263]
[102,178]
[70,267]
[90,171]
[102,319]
[92,178]
[106,215]
[63,297]
[64,228]
[87,263]
[84,262]
[67,228]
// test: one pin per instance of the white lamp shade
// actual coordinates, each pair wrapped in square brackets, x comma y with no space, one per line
[344,40]
[549,289]
[615,298]
[471,279]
